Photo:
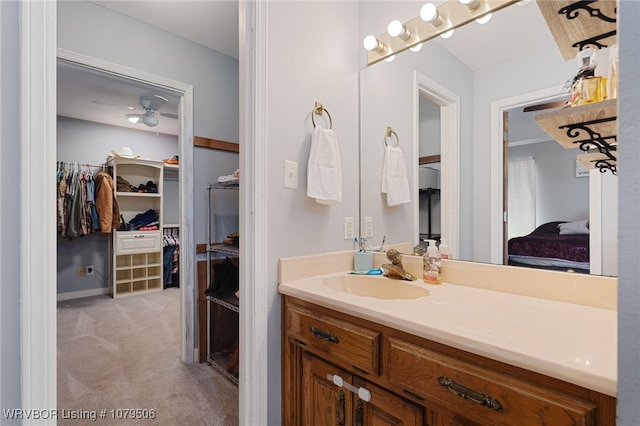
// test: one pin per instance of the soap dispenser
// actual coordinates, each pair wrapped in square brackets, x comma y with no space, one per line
[444,249]
[431,264]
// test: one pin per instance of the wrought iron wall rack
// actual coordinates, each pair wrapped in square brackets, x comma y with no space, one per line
[593,128]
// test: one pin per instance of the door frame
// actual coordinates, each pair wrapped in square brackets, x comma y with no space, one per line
[38,59]
[449,154]
[498,213]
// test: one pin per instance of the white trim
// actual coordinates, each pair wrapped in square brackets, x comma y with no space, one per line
[496,185]
[185,138]
[449,151]
[72,295]
[254,285]
[37,206]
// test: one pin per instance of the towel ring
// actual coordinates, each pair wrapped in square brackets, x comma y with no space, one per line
[388,134]
[319,109]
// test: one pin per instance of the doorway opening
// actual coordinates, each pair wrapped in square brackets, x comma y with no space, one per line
[184,93]
[428,92]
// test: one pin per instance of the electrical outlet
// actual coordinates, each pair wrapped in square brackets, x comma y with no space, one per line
[368,227]
[349,232]
[80,271]
[89,269]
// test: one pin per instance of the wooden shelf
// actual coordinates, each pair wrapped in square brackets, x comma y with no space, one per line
[593,128]
[577,25]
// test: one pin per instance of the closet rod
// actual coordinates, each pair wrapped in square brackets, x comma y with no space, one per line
[76,164]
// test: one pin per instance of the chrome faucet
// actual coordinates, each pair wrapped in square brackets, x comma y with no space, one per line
[395,269]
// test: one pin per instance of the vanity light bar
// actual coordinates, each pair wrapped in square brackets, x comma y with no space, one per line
[454,14]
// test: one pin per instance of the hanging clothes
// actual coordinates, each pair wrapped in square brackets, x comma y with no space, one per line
[106,204]
[171,256]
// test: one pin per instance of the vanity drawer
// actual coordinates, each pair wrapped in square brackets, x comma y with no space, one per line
[130,242]
[456,384]
[343,341]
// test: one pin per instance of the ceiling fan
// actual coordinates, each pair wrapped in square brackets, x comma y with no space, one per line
[150,104]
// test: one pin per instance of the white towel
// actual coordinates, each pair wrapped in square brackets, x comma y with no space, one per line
[394,177]
[324,171]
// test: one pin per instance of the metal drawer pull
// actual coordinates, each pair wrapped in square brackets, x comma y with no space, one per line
[470,394]
[323,335]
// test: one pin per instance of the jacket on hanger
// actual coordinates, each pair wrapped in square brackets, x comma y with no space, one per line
[106,204]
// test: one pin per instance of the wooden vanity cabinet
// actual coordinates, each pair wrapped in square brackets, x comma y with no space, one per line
[324,403]
[412,380]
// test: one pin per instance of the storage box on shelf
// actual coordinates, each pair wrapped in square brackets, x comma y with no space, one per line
[137,254]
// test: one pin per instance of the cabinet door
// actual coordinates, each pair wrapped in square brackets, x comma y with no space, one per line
[385,408]
[324,403]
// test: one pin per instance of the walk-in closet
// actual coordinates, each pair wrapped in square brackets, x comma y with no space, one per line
[119,279]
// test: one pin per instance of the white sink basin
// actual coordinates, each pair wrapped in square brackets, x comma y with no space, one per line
[375,286]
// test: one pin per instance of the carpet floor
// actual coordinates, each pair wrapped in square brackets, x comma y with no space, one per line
[115,355]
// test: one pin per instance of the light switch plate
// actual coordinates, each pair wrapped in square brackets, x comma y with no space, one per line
[290,174]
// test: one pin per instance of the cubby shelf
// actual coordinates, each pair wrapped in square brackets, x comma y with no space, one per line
[137,255]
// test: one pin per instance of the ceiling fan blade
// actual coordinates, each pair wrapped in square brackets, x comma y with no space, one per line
[169,115]
[544,106]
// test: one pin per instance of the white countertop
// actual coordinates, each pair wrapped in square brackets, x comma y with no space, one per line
[570,342]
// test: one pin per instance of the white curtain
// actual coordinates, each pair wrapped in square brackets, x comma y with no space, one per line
[521,196]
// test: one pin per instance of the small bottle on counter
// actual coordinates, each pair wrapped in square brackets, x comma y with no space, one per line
[444,248]
[431,264]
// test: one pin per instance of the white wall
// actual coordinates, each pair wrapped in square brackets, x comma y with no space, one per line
[311,58]
[10,364]
[629,198]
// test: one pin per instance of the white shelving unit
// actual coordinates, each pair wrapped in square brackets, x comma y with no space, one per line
[137,255]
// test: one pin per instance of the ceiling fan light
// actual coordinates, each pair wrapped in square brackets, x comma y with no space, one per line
[134,118]
[150,120]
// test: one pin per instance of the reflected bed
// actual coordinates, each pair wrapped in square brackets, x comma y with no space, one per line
[547,248]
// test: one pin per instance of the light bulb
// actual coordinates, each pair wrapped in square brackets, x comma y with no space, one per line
[447,34]
[470,4]
[416,48]
[484,19]
[390,58]
[371,43]
[429,13]
[396,28]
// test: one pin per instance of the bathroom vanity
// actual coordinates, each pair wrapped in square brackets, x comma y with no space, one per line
[455,355]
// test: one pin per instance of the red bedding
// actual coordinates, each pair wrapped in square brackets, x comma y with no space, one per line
[546,241]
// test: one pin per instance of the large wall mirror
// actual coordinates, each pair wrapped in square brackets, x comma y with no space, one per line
[443,108]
